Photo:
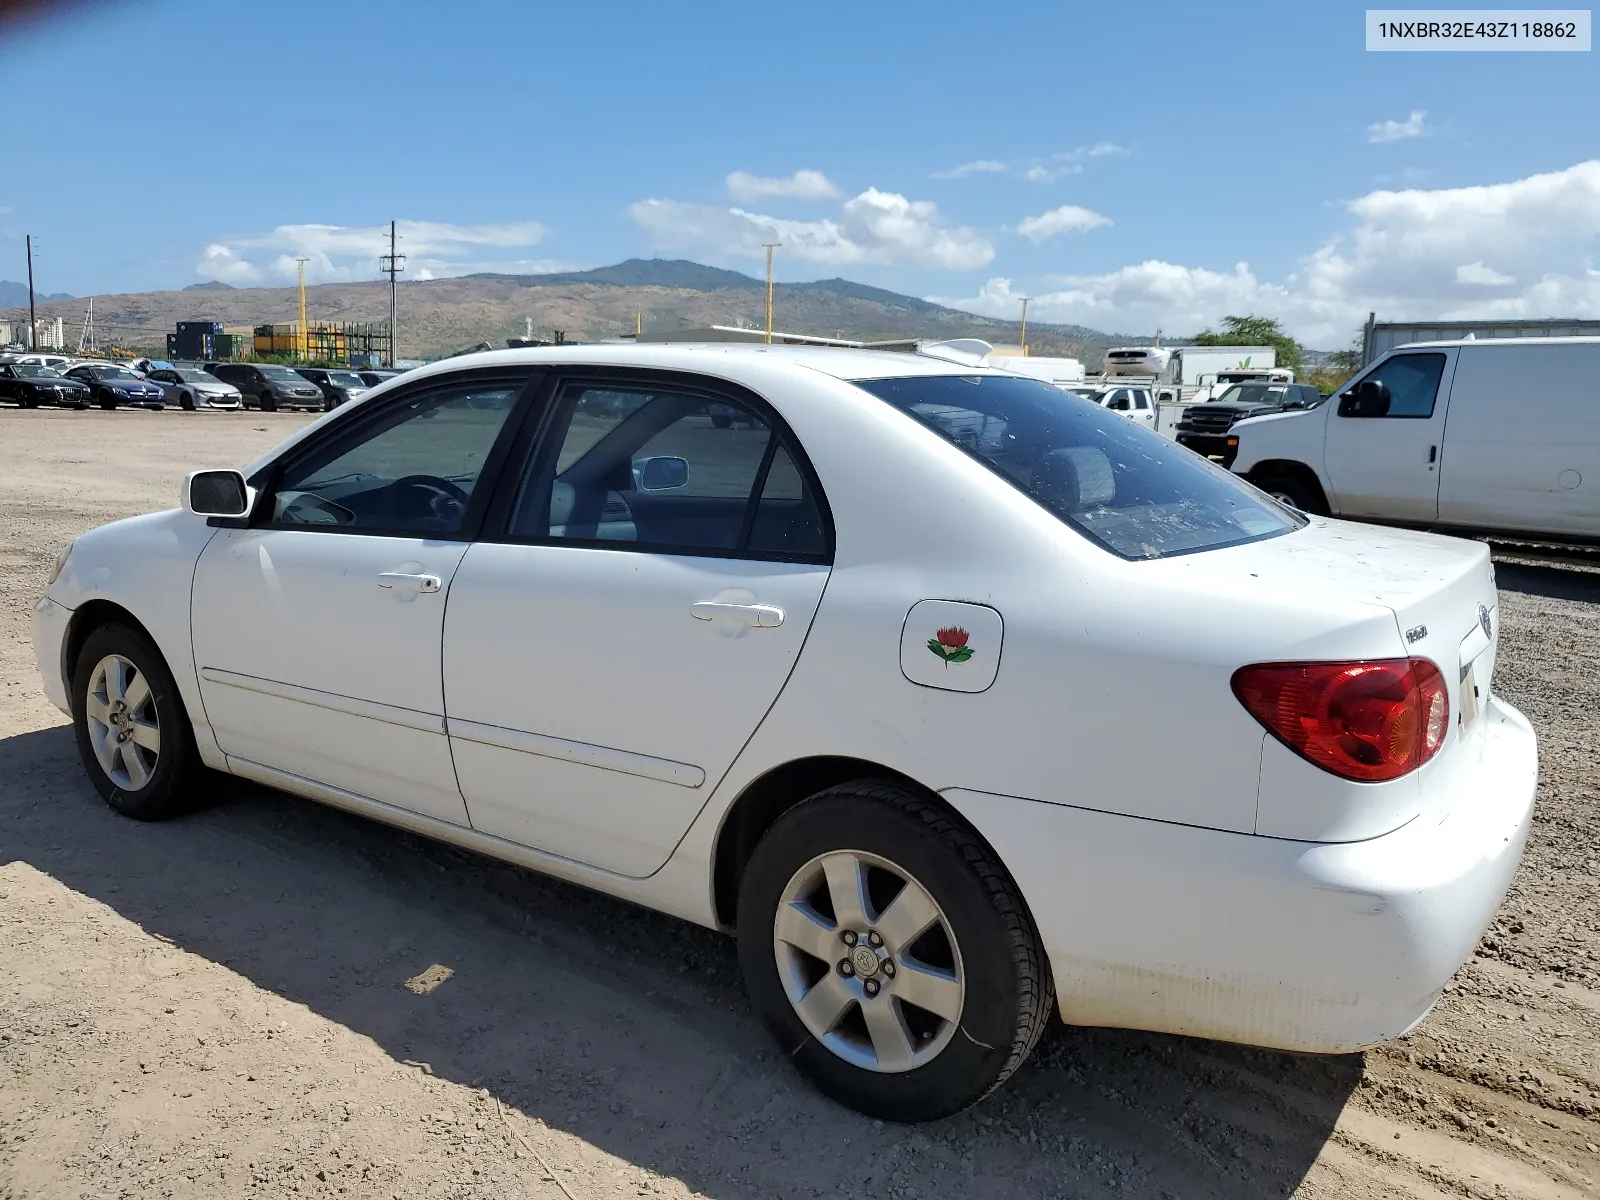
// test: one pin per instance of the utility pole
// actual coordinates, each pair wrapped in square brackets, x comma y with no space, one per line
[769,247]
[33,315]
[86,338]
[302,342]
[392,264]
[1025,326]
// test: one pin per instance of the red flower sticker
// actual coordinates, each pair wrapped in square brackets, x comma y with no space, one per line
[950,644]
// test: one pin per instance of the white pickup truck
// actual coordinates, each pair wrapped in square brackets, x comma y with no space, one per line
[1499,435]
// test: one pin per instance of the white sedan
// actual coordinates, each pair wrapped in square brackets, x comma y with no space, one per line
[849,677]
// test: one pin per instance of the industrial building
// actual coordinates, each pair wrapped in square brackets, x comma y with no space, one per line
[1380,337]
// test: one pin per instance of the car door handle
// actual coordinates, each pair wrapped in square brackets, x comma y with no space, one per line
[423,583]
[763,616]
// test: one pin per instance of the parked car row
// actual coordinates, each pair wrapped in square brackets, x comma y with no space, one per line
[43,379]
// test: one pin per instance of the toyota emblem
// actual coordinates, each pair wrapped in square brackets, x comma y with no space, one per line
[1483,620]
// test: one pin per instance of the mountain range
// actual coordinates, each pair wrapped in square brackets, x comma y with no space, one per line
[15,295]
[441,315]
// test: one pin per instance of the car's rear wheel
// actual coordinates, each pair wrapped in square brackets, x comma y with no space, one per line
[890,955]
[132,731]
[1295,492]
[269,402]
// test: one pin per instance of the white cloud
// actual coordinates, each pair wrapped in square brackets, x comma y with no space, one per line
[341,253]
[1407,255]
[1069,218]
[982,166]
[1040,169]
[874,227]
[1484,276]
[802,185]
[1398,131]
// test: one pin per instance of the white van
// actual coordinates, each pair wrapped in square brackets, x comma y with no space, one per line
[1495,435]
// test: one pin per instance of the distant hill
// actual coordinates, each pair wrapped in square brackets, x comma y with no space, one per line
[15,295]
[214,285]
[644,272]
[441,315]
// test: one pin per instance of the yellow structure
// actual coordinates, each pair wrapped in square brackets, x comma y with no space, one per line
[302,347]
[315,342]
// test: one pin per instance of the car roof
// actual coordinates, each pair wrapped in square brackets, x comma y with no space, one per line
[723,359]
[1495,341]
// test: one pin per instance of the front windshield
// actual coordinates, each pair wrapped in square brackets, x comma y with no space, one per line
[281,374]
[35,371]
[345,379]
[1247,393]
[192,376]
[1124,487]
[119,374]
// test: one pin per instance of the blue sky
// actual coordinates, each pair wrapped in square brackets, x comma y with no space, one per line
[1129,166]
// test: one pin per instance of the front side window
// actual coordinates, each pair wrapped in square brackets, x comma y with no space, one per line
[670,470]
[411,469]
[1123,486]
[1413,383]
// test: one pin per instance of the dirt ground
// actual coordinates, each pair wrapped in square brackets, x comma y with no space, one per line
[270,998]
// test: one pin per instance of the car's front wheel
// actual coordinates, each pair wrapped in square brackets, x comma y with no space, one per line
[890,955]
[269,402]
[186,401]
[132,731]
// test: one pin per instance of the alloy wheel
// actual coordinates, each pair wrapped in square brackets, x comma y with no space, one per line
[869,961]
[124,729]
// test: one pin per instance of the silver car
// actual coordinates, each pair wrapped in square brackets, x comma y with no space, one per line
[190,388]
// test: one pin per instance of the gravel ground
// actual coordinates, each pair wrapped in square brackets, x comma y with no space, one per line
[271,998]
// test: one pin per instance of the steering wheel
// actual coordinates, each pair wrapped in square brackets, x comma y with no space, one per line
[448,502]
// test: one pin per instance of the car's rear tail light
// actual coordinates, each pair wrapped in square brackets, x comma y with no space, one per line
[1369,721]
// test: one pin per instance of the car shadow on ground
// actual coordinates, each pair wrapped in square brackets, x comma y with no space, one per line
[630,1029]
[1555,583]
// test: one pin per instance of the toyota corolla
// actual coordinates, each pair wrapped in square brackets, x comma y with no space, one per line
[849,678]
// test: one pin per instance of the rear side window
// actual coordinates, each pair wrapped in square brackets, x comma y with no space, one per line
[668,470]
[1121,485]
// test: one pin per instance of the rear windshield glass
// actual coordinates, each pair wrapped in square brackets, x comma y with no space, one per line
[1124,487]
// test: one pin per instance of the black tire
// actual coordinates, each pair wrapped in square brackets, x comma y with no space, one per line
[186,401]
[269,402]
[1295,492]
[173,782]
[1009,996]
[721,421]
[107,401]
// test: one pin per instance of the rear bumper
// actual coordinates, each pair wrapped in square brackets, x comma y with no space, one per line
[50,622]
[1303,946]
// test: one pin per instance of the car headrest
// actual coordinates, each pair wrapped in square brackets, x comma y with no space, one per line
[1073,478]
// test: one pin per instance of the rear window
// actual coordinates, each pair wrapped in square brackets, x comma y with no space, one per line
[1124,487]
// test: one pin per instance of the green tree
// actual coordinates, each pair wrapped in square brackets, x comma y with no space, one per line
[1338,369]
[1255,331]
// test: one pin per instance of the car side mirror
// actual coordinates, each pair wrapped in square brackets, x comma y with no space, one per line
[1369,398]
[216,494]
[662,473]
